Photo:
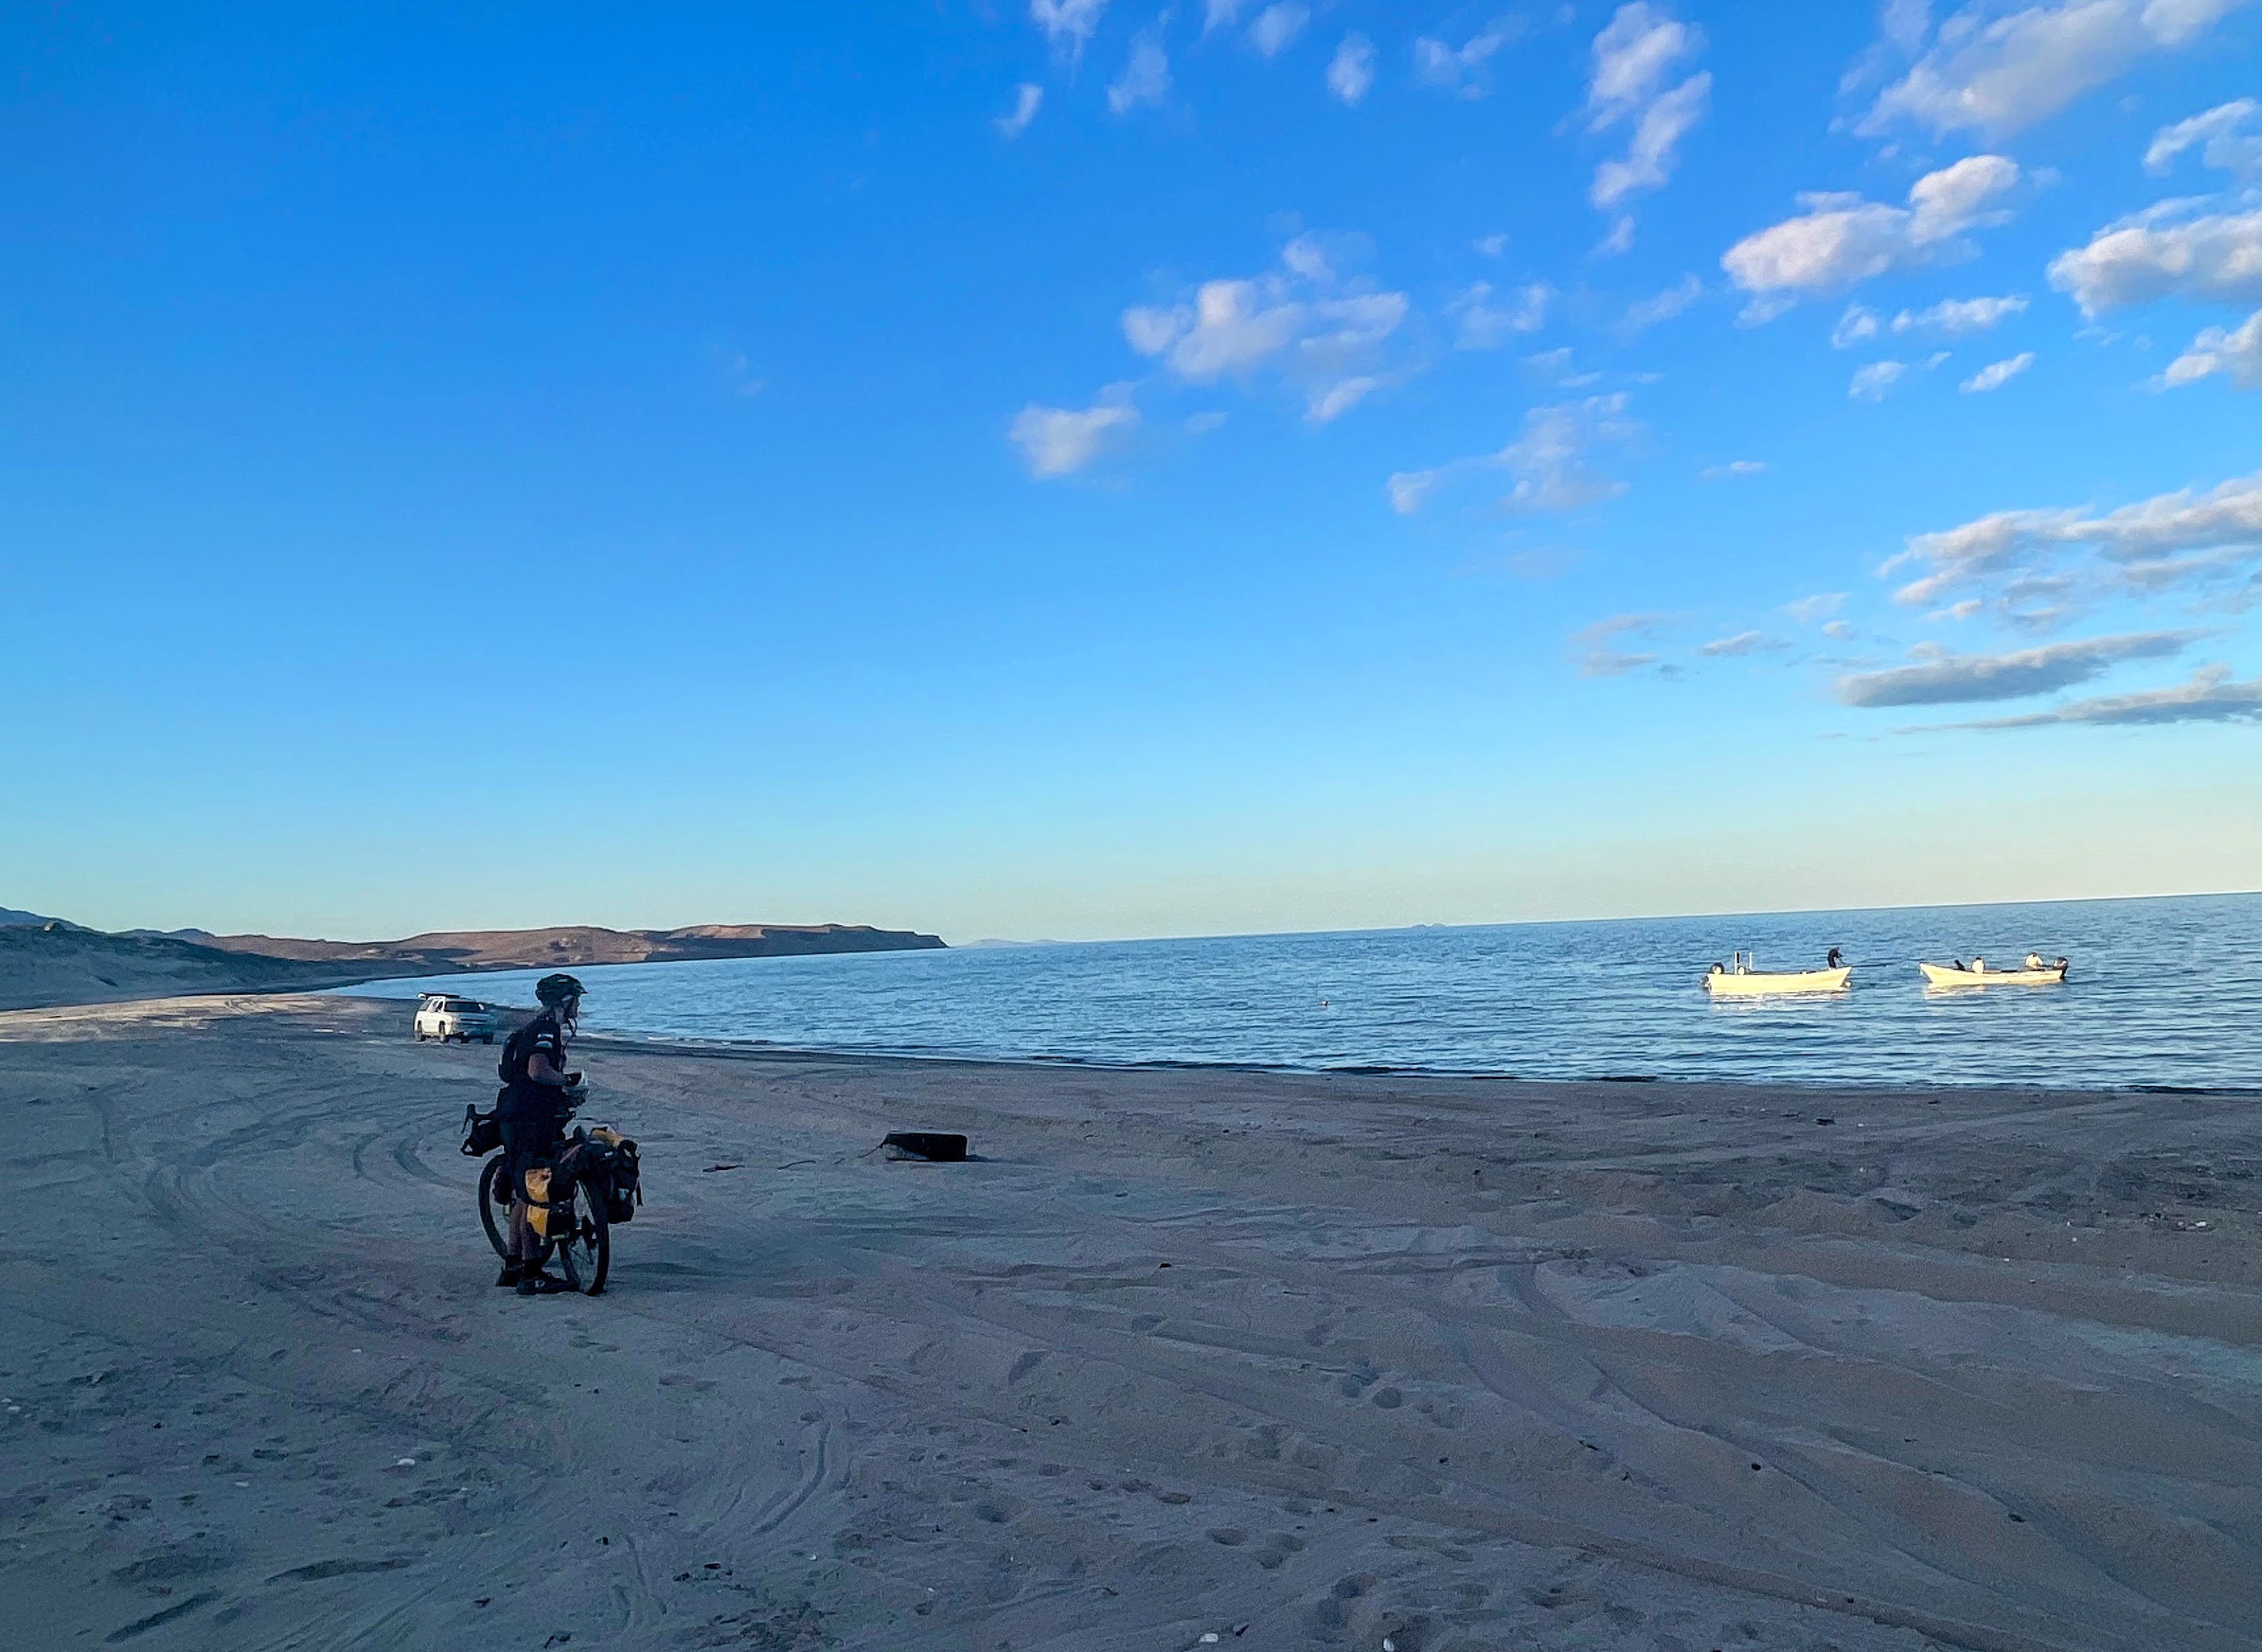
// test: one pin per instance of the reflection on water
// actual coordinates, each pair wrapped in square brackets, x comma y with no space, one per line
[2162,992]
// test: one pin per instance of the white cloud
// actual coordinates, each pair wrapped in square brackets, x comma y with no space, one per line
[1839,631]
[1068,23]
[1340,398]
[1276,27]
[1946,679]
[1871,383]
[1744,642]
[1634,53]
[1651,155]
[1996,374]
[1306,323]
[1146,76]
[1996,74]
[1957,317]
[2216,256]
[1055,441]
[1663,307]
[1598,657]
[2235,352]
[1463,68]
[1350,71]
[1807,609]
[1733,467]
[1486,326]
[1860,322]
[2210,696]
[1548,459]
[1491,246]
[2216,134]
[1221,14]
[1024,110]
[2151,544]
[1842,239]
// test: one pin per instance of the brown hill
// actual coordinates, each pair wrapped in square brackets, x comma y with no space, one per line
[573,944]
[57,964]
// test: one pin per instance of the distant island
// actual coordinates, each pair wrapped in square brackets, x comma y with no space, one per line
[48,961]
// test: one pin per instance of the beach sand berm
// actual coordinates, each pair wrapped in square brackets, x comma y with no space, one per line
[1298,1361]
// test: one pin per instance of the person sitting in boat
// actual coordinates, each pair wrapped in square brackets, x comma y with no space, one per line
[1979,966]
[1835,961]
[2034,960]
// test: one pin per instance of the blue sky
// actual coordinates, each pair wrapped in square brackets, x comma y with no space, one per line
[1078,468]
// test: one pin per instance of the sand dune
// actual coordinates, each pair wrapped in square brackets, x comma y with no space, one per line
[1300,1362]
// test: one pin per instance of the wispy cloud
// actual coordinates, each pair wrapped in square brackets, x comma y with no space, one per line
[1146,76]
[1744,642]
[1643,314]
[1842,239]
[2150,545]
[1549,460]
[1996,374]
[1027,101]
[1276,28]
[1482,324]
[1822,605]
[1463,70]
[1056,441]
[1306,322]
[1595,645]
[1995,72]
[1641,48]
[1876,381]
[2219,135]
[1954,679]
[1733,467]
[1350,71]
[2211,696]
[2236,352]
[1068,24]
[1957,317]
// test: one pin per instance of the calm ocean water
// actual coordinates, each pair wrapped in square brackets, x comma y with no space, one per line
[2164,991]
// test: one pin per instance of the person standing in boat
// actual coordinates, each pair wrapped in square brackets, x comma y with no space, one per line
[1836,961]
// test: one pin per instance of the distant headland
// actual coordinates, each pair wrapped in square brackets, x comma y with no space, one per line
[50,961]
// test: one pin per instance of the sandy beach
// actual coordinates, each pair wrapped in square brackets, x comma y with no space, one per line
[1286,1361]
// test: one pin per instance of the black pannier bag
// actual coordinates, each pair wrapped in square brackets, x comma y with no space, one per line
[482,1133]
[626,1192]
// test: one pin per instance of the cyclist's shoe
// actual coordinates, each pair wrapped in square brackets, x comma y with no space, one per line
[508,1276]
[540,1284]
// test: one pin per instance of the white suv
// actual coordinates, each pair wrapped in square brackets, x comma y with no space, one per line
[443,1016]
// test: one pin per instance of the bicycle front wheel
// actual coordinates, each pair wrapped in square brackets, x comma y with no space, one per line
[587,1251]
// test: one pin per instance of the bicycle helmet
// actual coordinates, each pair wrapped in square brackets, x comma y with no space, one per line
[553,989]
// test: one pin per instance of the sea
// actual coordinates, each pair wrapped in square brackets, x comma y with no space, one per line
[2163,993]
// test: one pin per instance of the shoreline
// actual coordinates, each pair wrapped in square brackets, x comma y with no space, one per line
[1313,1358]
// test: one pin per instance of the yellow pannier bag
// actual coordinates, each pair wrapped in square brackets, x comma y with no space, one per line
[537,1195]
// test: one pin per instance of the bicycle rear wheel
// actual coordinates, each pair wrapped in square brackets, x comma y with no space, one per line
[494,1203]
[587,1250]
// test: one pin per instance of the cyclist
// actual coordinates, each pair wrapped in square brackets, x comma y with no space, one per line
[532,1112]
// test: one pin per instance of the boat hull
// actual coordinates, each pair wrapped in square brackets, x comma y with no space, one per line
[1941,975]
[1759,984]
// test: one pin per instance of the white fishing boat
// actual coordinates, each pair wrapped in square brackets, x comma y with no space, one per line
[2033,973]
[1744,978]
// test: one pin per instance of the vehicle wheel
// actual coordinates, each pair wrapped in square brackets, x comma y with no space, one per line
[587,1253]
[495,1204]
[487,1038]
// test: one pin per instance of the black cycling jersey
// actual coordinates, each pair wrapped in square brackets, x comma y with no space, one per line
[522,1100]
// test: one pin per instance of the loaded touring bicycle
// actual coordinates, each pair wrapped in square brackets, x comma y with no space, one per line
[593,1183]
